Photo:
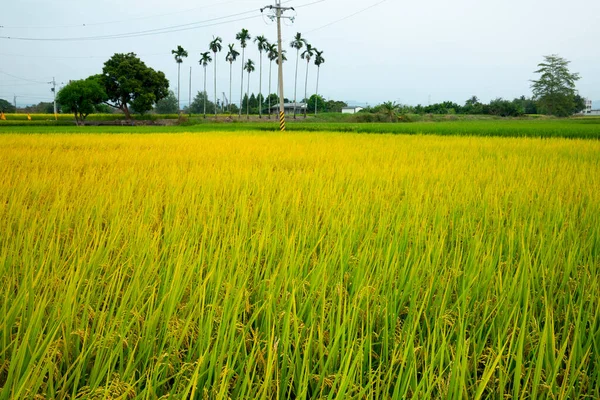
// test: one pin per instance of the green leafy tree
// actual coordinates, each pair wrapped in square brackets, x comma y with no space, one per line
[390,110]
[249,67]
[243,36]
[335,106]
[307,55]
[263,45]
[297,44]
[319,60]
[81,97]
[215,47]
[128,82]
[205,59]
[179,54]
[167,105]
[555,88]
[6,107]
[315,103]
[232,55]
[201,103]
[578,104]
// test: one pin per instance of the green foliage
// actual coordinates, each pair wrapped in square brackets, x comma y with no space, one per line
[128,82]
[318,102]
[335,106]
[167,105]
[555,88]
[505,108]
[197,106]
[81,97]
[6,107]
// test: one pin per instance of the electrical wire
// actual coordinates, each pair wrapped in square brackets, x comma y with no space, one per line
[84,25]
[346,17]
[22,79]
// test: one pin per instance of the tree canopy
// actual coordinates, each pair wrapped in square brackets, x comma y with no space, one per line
[167,105]
[555,88]
[6,107]
[128,82]
[81,97]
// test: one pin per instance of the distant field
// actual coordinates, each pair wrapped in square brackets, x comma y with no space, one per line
[303,265]
[584,128]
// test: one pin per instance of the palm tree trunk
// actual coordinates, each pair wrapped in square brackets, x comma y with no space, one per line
[204,92]
[306,87]
[259,89]
[296,80]
[248,96]
[178,87]
[230,81]
[269,95]
[215,84]
[242,85]
[317,94]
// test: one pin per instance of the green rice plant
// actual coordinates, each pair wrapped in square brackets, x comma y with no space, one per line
[264,265]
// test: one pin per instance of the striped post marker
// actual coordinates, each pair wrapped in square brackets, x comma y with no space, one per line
[281,121]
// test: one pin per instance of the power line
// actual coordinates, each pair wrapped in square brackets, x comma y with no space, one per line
[158,31]
[85,25]
[22,79]
[347,17]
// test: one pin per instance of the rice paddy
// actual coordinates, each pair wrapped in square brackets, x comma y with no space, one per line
[300,265]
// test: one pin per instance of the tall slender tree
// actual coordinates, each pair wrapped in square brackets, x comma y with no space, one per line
[263,45]
[307,54]
[243,36]
[179,54]
[319,60]
[215,47]
[297,44]
[249,67]
[272,55]
[232,55]
[205,59]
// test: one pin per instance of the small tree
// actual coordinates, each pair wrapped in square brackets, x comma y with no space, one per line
[390,110]
[81,98]
[168,105]
[555,89]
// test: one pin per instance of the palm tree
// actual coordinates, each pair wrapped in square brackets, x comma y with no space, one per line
[232,55]
[318,61]
[215,46]
[204,60]
[243,36]
[263,44]
[180,54]
[272,55]
[297,44]
[249,67]
[307,55]
[390,109]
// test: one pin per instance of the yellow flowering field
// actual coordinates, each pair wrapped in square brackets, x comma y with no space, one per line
[301,265]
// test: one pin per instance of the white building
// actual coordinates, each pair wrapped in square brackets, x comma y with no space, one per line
[588,107]
[351,110]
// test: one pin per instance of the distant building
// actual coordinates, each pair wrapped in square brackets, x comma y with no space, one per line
[588,107]
[289,108]
[351,110]
[593,112]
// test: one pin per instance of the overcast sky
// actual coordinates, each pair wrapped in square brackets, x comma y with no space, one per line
[409,52]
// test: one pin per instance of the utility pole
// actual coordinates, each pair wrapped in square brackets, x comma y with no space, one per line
[15,102]
[54,92]
[279,14]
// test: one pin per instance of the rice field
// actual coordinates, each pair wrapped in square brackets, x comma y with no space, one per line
[315,265]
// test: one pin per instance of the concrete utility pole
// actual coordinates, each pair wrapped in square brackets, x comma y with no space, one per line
[279,14]
[15,102]
[54,92]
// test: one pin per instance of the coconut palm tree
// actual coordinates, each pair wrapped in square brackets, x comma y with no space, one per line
[249,67]
[307,54]
[179,54]
[390,109]
[232,55]
[204,60]
[215,47]
[318,61]
[297,44]
[263,45]
[272,54]
[243,36]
